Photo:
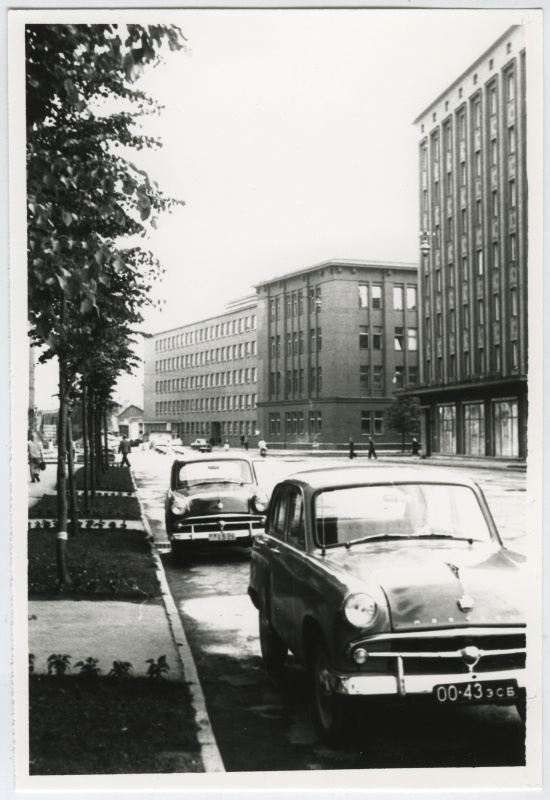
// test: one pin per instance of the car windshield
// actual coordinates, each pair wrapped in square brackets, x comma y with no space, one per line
[412,511]
[214,472]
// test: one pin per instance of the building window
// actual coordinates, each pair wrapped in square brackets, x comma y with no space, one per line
[413,376]
[315,422]
[495,255]
[446,429]
[364,379]
[510,86]
[301,387]
[319,339]
[366,428]
[465,317]
[399,377]
[474,429]
[479,262]
[377,337]
[515,362]
[496,307]
[363,295]
[278,348]
[505,428]
[514,301]
[492,100]
[480,312]
[289,344]
[496,352]
[378,379]
[376,295]
[494,204]
[438,280]
[513,247]
[398,298]
[512,194]
[311,380]
[312,339]
[399,339]
[412,339]
[481,360]
[364,337]
[411,298]
[379,422]
[319,379]
[494,153]
[300,342]
[512,140]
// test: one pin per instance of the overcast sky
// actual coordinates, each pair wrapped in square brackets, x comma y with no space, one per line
[289,136]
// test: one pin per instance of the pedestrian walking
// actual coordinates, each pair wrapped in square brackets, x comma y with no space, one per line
[372,449]
[351,448]
[35,452]
[226,446]
[242,440]
[262,447]
[246,442]
[415,448]
[124,448]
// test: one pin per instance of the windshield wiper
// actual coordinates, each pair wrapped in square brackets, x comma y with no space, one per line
[376,537]
[445,536]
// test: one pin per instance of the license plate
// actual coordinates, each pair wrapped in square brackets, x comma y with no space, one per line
[222,536]
[479,692]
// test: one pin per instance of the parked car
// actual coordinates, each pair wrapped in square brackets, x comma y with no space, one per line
[201,445]
[213,500]
[389,582]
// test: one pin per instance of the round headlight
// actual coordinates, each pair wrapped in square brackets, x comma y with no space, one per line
[360,610]
[260,502]
[180,506]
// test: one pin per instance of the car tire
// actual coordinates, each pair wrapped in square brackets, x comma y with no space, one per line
[274,650]
[328,708]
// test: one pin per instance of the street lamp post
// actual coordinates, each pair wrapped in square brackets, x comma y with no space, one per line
[425,248]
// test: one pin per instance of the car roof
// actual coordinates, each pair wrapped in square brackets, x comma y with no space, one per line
[201,457]
[333,477]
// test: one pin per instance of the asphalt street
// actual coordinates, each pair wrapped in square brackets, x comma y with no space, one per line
[264,725]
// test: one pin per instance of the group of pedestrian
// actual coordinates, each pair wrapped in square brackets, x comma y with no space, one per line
[371,449]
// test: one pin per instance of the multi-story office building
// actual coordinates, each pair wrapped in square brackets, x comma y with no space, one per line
[473,273]
[334,343]
[201,379]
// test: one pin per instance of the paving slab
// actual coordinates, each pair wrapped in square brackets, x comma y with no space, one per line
[103,629]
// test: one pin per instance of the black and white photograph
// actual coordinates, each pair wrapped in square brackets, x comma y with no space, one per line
[275,345]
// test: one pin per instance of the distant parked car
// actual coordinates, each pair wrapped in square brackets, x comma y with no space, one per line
[212,500]
[201,445]
[136,442]
[389,582]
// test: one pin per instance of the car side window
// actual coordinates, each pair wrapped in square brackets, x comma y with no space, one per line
[296,533]
[277,527]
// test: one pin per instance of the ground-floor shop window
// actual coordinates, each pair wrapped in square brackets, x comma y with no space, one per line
[446,429]
[505,428]
[474,429]
[315,422]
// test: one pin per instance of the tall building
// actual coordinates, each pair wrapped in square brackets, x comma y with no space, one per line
[473,272]
[201,379]
[335,341]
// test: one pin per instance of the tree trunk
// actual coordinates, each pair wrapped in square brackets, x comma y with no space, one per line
[72,489]
[85,441]
[98,459]
[91,436]
[105,440]
[61,540]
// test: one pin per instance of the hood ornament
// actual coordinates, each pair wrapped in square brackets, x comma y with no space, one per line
[470,655]
[219,504]
[465,603]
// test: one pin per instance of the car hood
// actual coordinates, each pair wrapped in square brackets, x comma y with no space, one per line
[217,498]
[431,585]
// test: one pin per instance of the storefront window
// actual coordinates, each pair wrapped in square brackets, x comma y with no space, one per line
[447,429]
[474,429]
[505,425]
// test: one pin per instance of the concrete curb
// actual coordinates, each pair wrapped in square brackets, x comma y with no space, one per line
[111,523]
[210,754]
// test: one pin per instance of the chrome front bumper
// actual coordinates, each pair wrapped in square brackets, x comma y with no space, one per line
[214,529]
[402,685]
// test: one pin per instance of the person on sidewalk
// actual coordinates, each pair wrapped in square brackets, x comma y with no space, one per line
[415,448]
[351,448]
[246,442]
[35,453]
[372,449]
[124,447]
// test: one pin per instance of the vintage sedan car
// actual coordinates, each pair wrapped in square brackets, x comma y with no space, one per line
[201,445]
[213,500]
[389,582]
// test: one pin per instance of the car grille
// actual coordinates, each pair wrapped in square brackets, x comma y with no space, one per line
[212,524]
[423,655]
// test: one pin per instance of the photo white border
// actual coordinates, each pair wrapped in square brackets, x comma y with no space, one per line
[268,784]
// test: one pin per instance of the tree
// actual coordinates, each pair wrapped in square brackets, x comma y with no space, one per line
[83,196]
[403,416]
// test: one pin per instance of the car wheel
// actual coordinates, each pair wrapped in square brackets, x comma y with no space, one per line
[274,650]
[521,707]
[328,707]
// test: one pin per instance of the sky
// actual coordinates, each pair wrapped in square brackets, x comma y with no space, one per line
[288,134]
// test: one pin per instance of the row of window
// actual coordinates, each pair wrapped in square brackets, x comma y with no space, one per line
[294,423]
[481,315]
[208,381]
[399,294]
[505,428]
[295,343]
[208,333]
[294,303]
[480,367]
[206,404]
[205,357]
[373,338]
[294,381]
[227,428]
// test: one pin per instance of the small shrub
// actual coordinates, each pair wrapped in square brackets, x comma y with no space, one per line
[89,667]
[157,668]
[58,664]
[121,670]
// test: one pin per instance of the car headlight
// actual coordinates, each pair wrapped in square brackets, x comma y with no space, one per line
[360,610]
[260,501]
[180,506]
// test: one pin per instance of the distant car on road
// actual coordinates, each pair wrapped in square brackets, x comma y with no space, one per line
[213,500]
[389,582]
[201,445]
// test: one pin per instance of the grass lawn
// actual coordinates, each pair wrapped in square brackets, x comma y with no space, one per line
[115,479]
[102,564]
[106,507]
[91,726]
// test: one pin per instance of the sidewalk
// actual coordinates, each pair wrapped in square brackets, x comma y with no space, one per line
[407,459]
[110,630]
